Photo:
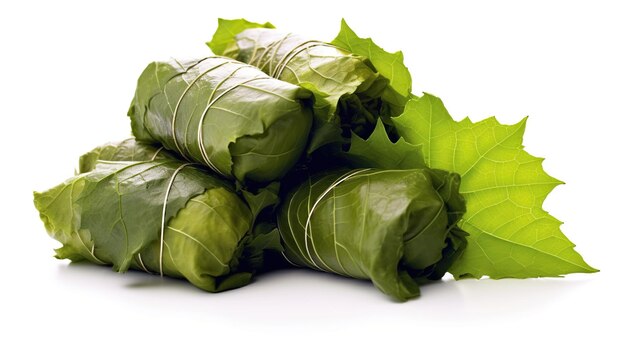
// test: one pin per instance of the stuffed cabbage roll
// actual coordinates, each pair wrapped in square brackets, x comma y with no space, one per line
[350,94]
[159,215]
[397,228]
[224,114]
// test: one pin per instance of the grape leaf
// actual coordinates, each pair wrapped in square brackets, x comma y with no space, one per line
[390,65]
[113,212]
[222,40]
[504,186]
[379,151]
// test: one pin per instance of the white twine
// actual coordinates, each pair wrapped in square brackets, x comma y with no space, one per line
[288,260]
[273,48]
[292,231]
[183,95]
[156,153]
[284,61]
[141,263]
[201,145]
[289,55]
[92,251]
[167,194]
[255,60]
[280,233]
[109,162]
[307,231]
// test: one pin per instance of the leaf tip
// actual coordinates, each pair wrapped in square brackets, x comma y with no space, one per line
[522,124]
[430,96]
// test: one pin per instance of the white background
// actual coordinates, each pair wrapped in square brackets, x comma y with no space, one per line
[69,72]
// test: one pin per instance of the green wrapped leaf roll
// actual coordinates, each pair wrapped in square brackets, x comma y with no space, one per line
[159,215]
[224,114]
[397,228]
[350,94]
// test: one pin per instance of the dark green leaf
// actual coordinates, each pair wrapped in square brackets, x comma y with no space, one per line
[162,216]
[348,89]
[224,114]
[394,227]
[389,65]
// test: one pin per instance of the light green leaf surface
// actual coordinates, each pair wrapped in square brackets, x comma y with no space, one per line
[222,41]
[389,65]
[504,186]
[127,150]
[379,151]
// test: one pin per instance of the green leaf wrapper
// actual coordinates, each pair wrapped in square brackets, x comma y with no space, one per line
[389,65]
[159,215]
[396,228]
[127,150]
[350,93]
[278,118]
[510,234]
[224,114]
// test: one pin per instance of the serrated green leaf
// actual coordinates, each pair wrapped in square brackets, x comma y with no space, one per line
[379,151]
[504,186]
[262,199]
[390,65]
[224,37]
